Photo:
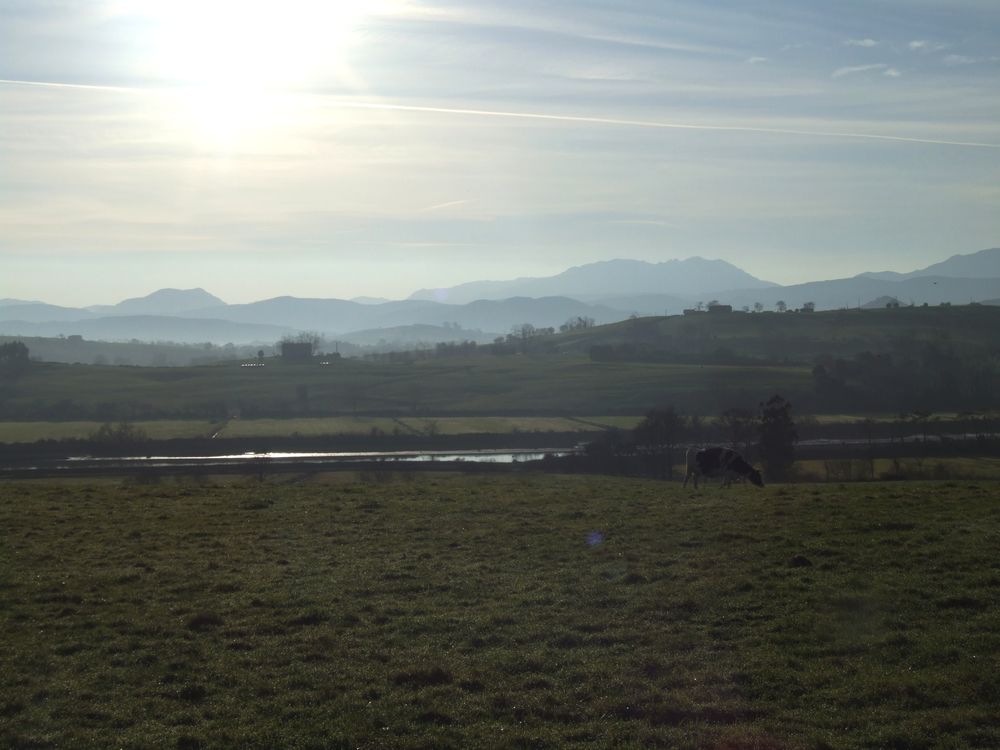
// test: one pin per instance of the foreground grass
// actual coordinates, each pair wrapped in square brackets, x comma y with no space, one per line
[499,612]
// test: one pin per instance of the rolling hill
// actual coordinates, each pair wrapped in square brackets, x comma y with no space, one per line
[604,292]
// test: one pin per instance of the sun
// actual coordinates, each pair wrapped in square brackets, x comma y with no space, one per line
[237,62]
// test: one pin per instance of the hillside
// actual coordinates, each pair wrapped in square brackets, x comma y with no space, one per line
[983,264]
[878,360]
[801,337]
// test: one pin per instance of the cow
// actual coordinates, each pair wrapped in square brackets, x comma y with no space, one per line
[719,462]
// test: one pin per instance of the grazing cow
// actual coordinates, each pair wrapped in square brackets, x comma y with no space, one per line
[720,462]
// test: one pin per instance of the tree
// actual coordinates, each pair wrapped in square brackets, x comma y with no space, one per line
[124,433]
[657,435]
[740,427]
[780,305]
[777,437]
[578,323]
[13,359]
[758,307]
[808,307]
[304,337]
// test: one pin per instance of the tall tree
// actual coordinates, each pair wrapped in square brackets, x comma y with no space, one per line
[777,437]
[13,359]
[740,427]
[657,435]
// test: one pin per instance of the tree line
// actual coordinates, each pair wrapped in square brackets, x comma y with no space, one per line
[659,441]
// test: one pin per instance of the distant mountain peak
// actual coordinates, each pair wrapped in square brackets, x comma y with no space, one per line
[164,302]
[978,265]
[609,278]
[197,296]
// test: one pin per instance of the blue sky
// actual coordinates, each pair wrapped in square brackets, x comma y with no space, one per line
[376,147]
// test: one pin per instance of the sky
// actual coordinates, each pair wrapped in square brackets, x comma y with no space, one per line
[372,148]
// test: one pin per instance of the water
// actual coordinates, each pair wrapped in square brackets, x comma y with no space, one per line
[502,456]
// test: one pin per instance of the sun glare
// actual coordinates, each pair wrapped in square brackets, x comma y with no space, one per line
[237,61]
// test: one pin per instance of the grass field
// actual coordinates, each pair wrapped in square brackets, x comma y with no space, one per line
[29,432]
[479,385]
[306,427]
[514,611]
[163,429]
[977,467]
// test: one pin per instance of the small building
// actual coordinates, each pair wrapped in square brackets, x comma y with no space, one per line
[296,351]
[720,308]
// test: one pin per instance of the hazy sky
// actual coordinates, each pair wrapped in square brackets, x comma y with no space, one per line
[336,149]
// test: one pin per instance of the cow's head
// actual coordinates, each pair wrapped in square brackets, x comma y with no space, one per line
[755,478]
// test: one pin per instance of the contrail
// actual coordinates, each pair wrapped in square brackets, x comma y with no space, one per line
[580,119]
[85,86]
[439,206]
[660,125]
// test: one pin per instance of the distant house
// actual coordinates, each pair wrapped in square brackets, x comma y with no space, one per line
[296,351]
[720,308]
[692,311]
[75,338]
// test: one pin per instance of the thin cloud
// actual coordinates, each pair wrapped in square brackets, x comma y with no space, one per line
[439,206]
[643,223]
[84,86]
[922,45]
[854,69]
[580,119]
[861,43]
[658,125]
[756,60]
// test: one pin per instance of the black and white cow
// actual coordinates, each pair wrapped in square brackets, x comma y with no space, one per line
[720,462]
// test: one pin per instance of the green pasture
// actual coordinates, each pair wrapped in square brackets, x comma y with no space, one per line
[488,385]
[857,469]
[495,425]
[29,432]
[306,427]
[518,611]
[888,418]
[802,337]
[163,429]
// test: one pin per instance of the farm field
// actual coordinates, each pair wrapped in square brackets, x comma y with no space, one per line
[162,429]
[28,432]
[978,467]
[515,611]
[486,385]
[405,425]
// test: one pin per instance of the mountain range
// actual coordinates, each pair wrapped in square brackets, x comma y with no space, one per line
[609,279]
[606,291]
